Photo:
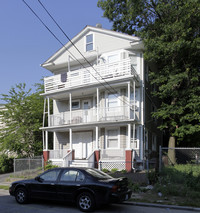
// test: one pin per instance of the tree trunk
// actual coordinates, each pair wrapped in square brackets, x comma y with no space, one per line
[171,151]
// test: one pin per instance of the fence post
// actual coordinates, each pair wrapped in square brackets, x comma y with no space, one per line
[160,158]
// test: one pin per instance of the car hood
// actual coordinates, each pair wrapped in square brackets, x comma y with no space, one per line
[24,181]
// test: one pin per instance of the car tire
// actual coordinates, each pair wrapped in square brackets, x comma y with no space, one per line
[21,196]
[85,202]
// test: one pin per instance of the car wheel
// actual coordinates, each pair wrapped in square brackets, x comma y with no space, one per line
[21,196]
[85,202]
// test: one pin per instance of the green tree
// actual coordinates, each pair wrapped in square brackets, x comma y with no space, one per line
[22,116]
[171,34]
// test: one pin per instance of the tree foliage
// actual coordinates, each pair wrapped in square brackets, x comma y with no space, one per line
[22,118]
[170,30]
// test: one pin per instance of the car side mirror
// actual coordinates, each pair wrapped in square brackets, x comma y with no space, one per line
[39,179]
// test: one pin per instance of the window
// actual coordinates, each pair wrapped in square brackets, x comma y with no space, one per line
[89,42]
[112,138]
[50,176]
[113,58]
[76,104]
[72,175]
[112,100]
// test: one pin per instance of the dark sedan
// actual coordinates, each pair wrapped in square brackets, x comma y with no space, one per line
[85,186]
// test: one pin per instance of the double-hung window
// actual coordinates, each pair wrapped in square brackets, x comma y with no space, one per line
[112,101]
[112,138]
[89,42]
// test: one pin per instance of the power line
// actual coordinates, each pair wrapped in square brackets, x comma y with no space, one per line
[74,46]
[81,52]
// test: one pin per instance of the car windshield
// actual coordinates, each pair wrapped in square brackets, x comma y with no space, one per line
[98,174]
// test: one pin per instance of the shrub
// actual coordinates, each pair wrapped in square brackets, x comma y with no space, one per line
[105,170]
[6,164]
[114,170]
[49,165]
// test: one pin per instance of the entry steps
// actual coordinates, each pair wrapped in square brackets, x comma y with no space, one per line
[80,163]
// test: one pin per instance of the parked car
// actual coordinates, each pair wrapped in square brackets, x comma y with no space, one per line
[86,186]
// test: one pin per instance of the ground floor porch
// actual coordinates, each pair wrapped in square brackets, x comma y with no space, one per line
[110,147]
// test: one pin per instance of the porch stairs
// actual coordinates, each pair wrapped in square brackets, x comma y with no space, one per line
[79,163]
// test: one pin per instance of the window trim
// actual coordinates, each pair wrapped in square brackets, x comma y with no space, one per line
[79,105]
[89,42]
[118,138]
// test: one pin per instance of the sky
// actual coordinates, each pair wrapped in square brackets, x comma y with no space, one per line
[25,43]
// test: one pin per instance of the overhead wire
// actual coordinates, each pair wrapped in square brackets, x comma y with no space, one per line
[75,46]
[74,58]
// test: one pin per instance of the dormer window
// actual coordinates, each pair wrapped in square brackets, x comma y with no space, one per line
[89,42]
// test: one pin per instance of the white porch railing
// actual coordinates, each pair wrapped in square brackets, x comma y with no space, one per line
[90,75]
[90,160]
[67,159]
[57,154]
[88,116]
[112,154]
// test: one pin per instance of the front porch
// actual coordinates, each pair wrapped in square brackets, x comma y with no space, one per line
[118,159]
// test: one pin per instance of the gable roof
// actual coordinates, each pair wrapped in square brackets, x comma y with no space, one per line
[132,39]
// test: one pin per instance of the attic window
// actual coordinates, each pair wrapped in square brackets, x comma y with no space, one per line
[89,42]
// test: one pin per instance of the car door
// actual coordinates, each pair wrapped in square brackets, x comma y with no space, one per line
[69,182]
[45,185]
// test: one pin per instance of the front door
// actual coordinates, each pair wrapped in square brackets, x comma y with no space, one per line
[82,144]
[86,111]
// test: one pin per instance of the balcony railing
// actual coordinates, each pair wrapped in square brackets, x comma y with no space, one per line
[89,116]
[90,75]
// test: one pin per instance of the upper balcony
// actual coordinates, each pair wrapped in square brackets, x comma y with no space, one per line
[97,74]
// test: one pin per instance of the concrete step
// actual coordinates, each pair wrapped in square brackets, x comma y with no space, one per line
[79,163]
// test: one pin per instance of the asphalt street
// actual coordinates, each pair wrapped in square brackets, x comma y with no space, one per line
[9,205]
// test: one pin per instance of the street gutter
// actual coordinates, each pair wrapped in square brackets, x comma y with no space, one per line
[162,206]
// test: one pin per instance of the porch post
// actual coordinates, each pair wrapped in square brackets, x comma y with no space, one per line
[70,139]
[70,107]
[97,104]
[129,98]
[48,111]
[46,140]
[97,138]
[134,102]
[129,137]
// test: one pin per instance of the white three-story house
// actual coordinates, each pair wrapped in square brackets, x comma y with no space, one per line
[95,102]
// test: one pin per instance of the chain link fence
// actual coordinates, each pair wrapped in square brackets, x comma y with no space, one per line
[28,165]
[174,156]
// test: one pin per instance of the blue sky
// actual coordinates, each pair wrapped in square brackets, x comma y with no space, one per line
[25,43]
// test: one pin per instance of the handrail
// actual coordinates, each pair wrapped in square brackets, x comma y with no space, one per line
[67,158]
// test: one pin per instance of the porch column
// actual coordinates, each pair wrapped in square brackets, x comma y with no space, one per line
[97,104]
[70,107]
[70,139]
[134,102]
[134,135]
[129,98]
[129,137]
[97,138]
[46,140]
[48,104]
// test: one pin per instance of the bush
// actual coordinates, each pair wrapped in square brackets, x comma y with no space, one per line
[49,165]
[114,170]
[6,164]
[105,170]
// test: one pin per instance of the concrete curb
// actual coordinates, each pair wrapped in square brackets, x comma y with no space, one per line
[162,206]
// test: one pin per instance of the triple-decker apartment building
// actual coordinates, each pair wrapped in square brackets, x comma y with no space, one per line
[97,105]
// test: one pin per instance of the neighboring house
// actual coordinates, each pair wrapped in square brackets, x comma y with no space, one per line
[101,107]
